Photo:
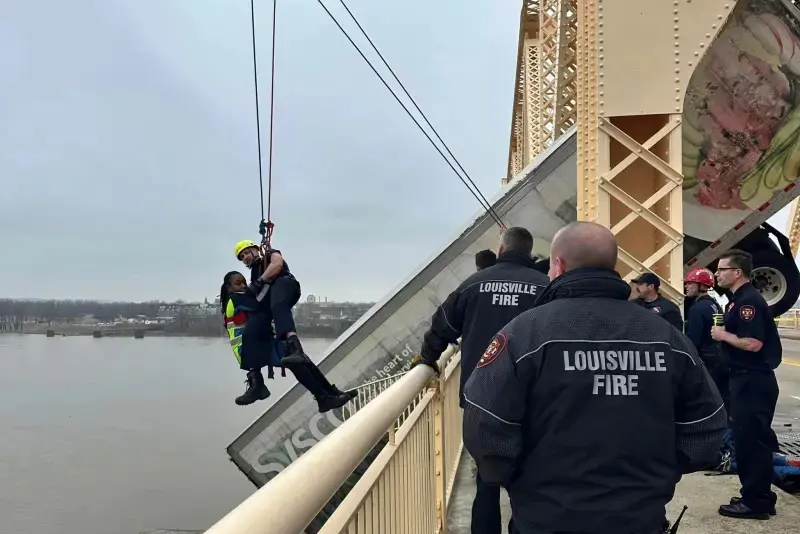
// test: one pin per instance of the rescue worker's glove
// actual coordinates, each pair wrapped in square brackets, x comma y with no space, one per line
[419,360]
[257,288]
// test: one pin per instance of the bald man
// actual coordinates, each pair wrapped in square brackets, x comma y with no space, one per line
[589,408]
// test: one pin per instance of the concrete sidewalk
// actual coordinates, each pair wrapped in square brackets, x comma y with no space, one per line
[702,494]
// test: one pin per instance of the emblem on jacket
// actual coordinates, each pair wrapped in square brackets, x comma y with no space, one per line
[747,313]
[656,309]
[493,351]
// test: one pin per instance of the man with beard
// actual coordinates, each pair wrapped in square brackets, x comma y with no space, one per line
[702,308]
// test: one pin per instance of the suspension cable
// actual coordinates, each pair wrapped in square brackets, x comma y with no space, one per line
[266,225]
[414,102]
[478,196]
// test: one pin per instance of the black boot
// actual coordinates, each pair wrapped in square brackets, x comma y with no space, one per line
[350,394]
[327,402]
[256,389]
[294,352]
[329,388]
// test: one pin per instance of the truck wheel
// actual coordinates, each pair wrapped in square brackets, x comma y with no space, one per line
[778,280]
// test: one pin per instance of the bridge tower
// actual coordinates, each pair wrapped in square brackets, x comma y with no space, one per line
[619,69]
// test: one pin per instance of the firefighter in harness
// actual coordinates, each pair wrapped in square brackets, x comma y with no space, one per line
[272,293]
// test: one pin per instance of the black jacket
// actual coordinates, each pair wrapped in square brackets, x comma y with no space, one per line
[481,306]
[664,308]
[588,409]
[699,320]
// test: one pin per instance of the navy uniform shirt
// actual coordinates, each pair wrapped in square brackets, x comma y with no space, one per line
[664,308]
[699,320]
[748,315]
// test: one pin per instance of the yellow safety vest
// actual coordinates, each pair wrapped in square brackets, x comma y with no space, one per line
[235,323]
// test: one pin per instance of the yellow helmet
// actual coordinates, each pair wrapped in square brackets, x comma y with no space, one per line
[241,245]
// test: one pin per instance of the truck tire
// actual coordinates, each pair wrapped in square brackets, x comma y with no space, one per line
[777,278]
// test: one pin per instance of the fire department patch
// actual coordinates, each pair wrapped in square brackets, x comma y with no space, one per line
[747,313]
[494,350]
[730,306]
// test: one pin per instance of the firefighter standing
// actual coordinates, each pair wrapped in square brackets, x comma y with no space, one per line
[699,320]
[588,408]
[485,258]
[754,351]
[647,286]
[475,311]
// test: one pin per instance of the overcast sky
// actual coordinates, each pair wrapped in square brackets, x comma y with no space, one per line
[129,164]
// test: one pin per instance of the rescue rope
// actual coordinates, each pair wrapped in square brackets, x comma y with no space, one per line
[266,226]
[477,193]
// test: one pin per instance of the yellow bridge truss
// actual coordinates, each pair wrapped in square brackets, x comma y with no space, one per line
[619,69]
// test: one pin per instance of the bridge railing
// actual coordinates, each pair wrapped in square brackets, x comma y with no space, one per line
[789,320]
[406,488]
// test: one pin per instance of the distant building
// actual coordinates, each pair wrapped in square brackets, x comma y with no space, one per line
[188,309]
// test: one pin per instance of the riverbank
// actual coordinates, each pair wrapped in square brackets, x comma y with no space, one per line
[197,331]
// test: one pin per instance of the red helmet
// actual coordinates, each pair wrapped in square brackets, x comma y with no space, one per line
[700,275]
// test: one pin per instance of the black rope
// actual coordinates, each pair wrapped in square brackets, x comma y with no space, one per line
[258,115]
[265,227]
[422,114]
[479,197]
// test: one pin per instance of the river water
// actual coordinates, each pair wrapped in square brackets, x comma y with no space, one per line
[119,436]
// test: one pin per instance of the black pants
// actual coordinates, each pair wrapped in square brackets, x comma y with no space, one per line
[283,295]
[720,374]
[258,350]
[753,399]
[486,517]
[257,342]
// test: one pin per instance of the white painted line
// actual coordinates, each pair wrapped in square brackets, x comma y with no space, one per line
[796,398]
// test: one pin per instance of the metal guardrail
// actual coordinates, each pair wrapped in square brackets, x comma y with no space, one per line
[406,488]
[790,319]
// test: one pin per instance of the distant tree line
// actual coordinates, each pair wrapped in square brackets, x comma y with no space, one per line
[14,314]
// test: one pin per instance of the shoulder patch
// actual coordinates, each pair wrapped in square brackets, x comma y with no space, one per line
[495,349]
[747,313]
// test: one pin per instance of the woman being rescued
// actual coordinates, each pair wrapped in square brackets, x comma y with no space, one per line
[255,349]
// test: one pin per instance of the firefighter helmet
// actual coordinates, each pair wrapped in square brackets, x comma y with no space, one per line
[242,245]
[700,275]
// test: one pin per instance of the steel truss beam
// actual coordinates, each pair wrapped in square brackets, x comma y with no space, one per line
[633,70]
[546,81]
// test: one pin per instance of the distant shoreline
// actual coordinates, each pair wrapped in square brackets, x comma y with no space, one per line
[144,331]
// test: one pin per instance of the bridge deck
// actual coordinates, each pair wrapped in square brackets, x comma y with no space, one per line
[702,494]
